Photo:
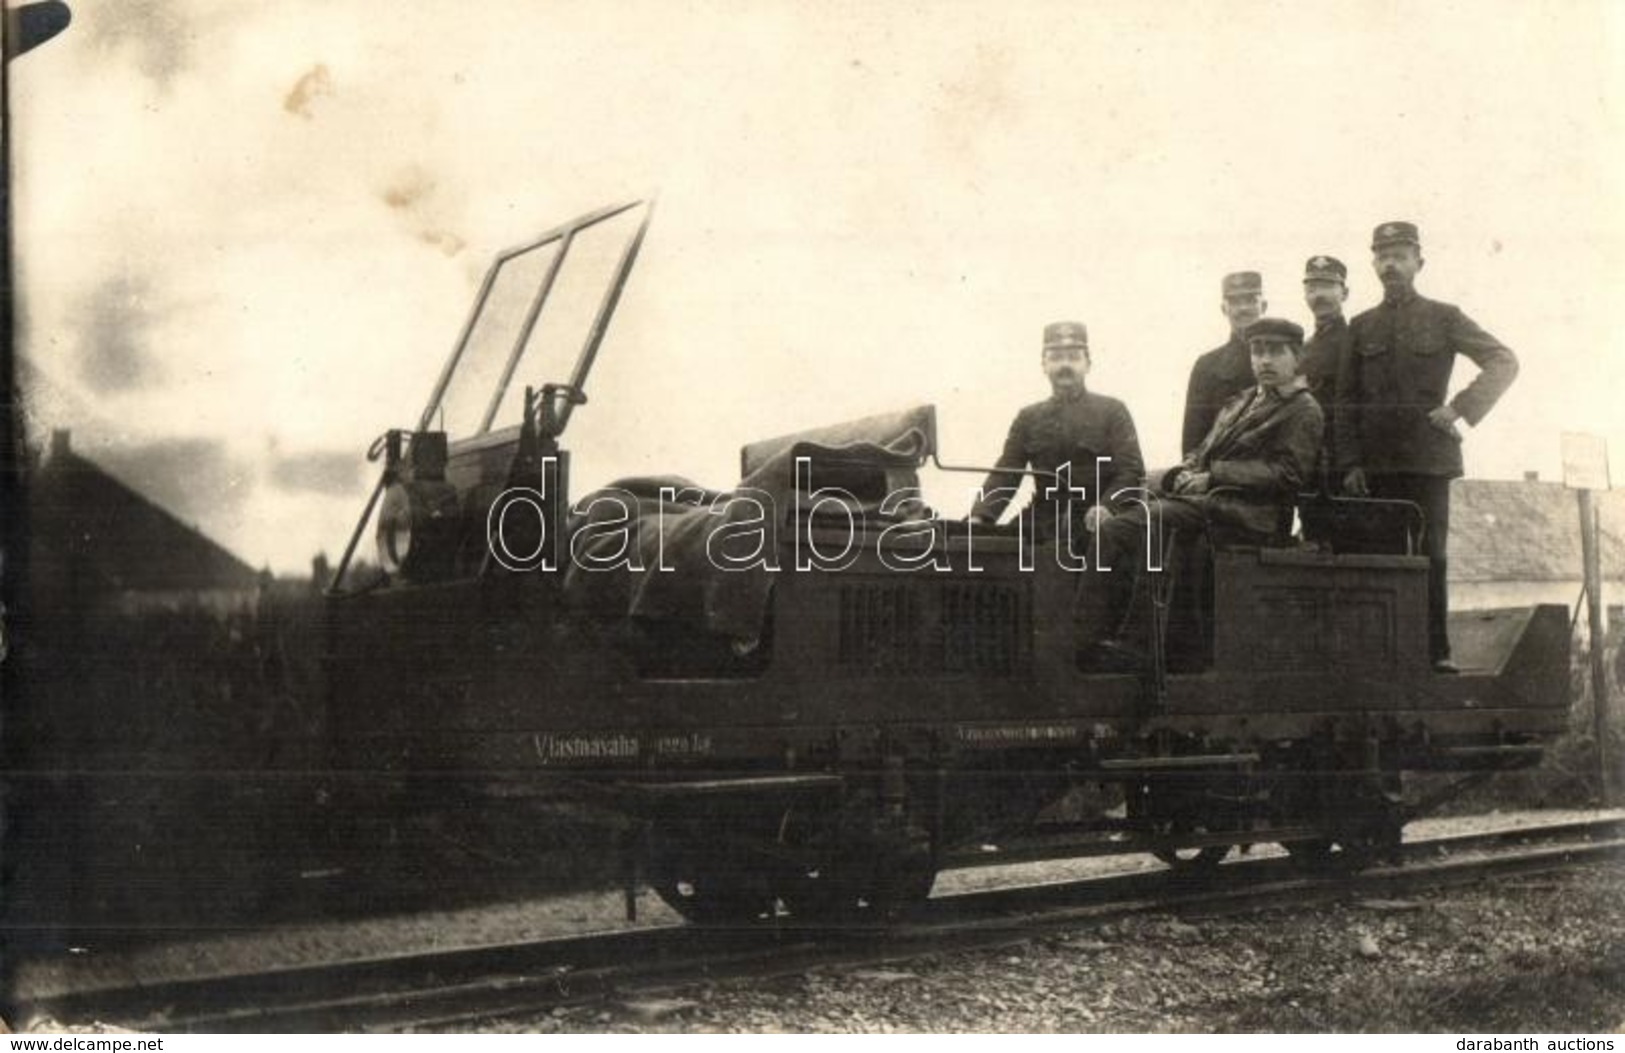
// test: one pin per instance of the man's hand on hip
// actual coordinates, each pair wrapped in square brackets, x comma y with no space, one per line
[1444,419]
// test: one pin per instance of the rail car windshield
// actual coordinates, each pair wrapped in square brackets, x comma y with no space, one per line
[540,314]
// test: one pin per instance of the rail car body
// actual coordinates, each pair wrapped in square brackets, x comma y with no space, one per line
[860,692]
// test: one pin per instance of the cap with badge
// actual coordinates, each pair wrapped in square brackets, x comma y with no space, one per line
[1242,283]
[1325,269]
[1060,335]
[1396,232]
[1275,330]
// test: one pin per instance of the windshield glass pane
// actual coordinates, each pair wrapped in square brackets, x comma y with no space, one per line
[486,386]
[561,333]
[491,341]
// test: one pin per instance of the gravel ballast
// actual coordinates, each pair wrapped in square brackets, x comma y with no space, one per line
[1540,954]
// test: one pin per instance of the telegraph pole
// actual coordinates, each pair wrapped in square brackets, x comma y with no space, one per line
[1585,468]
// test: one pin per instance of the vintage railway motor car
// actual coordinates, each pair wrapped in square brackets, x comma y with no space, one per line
[811,693]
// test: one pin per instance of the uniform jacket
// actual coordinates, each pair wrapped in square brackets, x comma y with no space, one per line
[1064,429]
[1398,369]
[1322,359]
[1322,356]
[1260,455]
[1216,378]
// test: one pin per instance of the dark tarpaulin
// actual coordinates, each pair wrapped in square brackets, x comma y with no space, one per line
[680,538]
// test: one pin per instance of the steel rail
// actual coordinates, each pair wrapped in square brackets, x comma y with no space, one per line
[459,987]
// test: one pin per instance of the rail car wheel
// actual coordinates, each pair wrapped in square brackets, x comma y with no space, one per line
[1315,856]
[708,886]
[1354,848]
[1347,855]
[1169,812]
[1202,860]
[859,893]
[866,871]
[824,895]
[1368,845]
[1194,860]
[1360,818]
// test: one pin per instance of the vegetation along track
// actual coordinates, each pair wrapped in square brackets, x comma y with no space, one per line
[462,987]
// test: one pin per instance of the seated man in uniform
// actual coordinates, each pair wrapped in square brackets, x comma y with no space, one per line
[1240,483]
[1074,426]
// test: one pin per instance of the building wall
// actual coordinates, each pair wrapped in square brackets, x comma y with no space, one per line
[222,601]
[1488,595]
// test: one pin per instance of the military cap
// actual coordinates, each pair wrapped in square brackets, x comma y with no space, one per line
[1325,269]
[1275,330]
[1396,232]
[1066,334]
[1242,283]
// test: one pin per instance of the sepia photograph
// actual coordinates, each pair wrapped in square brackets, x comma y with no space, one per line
[747,516]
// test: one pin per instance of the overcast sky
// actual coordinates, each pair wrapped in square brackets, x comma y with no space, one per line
[249,233]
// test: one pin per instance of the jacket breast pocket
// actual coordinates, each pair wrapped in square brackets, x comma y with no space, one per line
[1428,371]
[1373,370]
[1426,340]
[1044,433]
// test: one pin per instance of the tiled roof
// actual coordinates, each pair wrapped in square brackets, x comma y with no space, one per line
[118,539]
[1527,531]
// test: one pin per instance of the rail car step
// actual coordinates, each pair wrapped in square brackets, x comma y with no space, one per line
[1524,750]
[744,784]
[1491,758]
[1208,760]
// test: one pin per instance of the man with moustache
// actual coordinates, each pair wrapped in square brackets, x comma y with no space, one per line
[1325,289]
[1396,437]
[1073,426]
[1221,374]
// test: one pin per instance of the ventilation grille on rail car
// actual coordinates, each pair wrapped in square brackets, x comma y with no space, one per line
[944,627]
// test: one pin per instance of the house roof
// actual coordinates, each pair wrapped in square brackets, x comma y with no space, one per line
[118,539]
[1503,530]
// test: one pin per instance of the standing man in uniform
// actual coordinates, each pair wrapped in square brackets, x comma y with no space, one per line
[1325,289]
[1226,371]
[1073,426]
[1396,436]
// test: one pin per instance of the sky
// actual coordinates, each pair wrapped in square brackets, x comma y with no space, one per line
[248,234]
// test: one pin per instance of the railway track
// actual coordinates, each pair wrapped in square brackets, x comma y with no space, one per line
[462,987]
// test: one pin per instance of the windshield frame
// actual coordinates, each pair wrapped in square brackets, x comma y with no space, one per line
[564,235]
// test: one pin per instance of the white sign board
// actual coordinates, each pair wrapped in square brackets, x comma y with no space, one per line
[1585,461]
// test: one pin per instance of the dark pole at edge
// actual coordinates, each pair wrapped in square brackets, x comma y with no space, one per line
[22,28]
[1592,559]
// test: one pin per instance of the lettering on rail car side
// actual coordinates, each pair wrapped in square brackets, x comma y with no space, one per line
[584,747]
[1006,734]
[617,747]
[695,745]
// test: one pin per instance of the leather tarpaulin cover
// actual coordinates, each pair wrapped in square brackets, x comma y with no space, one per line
[663,548]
